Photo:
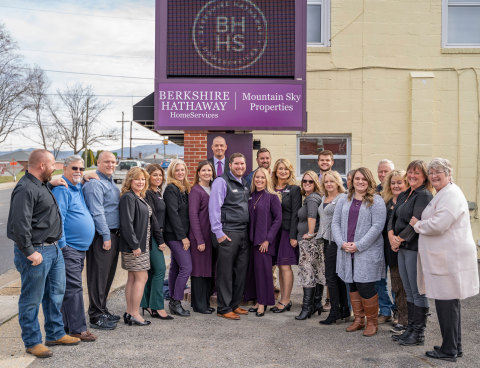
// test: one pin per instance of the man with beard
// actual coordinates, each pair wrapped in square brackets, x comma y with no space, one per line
[35,226]
[228,213]
[325,163]
[78,231]
[264,159]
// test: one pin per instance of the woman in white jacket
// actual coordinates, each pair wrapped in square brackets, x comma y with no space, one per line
[447,261]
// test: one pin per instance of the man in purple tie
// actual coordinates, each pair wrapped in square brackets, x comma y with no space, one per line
[219,147]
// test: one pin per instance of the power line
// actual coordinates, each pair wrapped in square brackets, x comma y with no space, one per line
[80,54]
[76,14]
[92,74]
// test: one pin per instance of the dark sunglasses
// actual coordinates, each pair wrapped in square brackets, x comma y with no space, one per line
[76,168]
[304,181]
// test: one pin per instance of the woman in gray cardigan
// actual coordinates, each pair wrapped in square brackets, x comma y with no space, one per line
[357,227]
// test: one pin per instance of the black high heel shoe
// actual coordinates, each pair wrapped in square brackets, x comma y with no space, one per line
[133,321]
[126,318]
[286,307]
[260,314]
[252,310]
[149,312]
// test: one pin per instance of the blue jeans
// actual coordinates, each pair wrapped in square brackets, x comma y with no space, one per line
[384,303]
[44,284]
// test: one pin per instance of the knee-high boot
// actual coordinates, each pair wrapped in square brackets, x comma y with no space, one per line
[317,301]
[417,337]
[307,306]
[358,313]
[370,306]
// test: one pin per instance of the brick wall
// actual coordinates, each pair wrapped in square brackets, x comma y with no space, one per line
[195,150]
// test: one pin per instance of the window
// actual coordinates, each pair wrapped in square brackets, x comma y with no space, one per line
[461,23]
[310,146]
[318,23]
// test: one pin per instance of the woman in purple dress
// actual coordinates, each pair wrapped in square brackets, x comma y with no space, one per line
[286,244]
[200,240]
[265,211]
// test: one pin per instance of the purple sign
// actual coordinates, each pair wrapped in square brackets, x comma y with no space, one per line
[190,106]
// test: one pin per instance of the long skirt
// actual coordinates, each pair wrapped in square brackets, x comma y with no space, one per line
[311,265]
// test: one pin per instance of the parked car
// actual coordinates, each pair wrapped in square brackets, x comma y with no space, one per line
[122,169]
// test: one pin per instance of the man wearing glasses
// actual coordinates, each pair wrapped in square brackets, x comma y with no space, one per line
[78,231]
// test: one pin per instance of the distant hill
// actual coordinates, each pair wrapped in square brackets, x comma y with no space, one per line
[145,150]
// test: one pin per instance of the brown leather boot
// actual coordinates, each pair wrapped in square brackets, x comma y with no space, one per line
[371,311]
[358,312]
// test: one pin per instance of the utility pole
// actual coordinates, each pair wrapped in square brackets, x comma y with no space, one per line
[122,121]
[131,123]
[85,137]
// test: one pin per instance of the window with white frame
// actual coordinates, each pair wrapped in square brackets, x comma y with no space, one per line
[461,23]
[318,23]
[309,146]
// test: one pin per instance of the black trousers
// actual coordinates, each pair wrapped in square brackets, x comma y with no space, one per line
[448,313]
[231,272]
[336,286]
[201,290]
[101,268]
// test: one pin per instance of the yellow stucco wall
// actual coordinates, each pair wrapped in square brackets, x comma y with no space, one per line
[386,81]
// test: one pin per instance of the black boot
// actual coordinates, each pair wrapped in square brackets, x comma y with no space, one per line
[346,315]
[333,316]
[409,329]
[307,306]
[317,300]
[417,337]
[176,308]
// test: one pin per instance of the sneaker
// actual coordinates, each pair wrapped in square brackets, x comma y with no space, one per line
[64,340]
[398,329]
[85,336]
[40,351]
[112,317]
[102,323]
[384,319]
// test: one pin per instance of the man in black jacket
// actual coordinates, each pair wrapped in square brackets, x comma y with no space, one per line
[35,226]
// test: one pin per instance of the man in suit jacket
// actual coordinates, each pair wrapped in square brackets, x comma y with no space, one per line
[264,159]
[219,147]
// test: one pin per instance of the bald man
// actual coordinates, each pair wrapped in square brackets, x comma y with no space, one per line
[102,197]
[35,226]
[219,147]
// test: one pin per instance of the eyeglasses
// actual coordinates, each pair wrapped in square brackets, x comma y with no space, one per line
[304,181]
[435,173]
[76,168]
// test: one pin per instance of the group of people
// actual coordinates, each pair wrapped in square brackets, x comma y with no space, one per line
[227,231]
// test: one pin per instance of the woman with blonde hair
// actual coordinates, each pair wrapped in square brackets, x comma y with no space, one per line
[394,184]
[332,185]
[286,244]
[265,212]
[136,225]
[357,225]
[311,267]
[176,234]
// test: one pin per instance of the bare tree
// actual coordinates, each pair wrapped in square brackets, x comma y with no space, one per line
[38,103]
[13,85]
[79,127]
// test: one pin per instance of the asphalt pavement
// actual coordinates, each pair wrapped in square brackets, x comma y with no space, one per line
[275,340]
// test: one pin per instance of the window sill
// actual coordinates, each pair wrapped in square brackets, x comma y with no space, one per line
[460,50]
[318,50]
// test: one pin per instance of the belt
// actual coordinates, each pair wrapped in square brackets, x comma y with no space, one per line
[44,244]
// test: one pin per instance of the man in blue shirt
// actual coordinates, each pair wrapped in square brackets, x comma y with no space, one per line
[102,197]
[78,231]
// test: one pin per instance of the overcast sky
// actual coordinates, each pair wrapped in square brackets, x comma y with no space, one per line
[102,37]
